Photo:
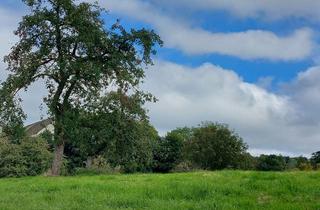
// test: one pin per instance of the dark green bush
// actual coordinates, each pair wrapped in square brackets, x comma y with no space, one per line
[271,163]
[167,152]
[214,146]
[247,162]
[29,158]
[315,160]
[12,163]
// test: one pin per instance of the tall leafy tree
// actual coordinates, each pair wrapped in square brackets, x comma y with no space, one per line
[215,146]
[67,45]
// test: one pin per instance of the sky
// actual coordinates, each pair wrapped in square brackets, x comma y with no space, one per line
[254,65]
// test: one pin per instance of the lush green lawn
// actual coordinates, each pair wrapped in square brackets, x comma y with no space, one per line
[200,190]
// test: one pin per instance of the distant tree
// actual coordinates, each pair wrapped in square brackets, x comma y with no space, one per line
[215,146]
[247,162]
[303,163]
[66,44]
[132,150]
[168,151]
[315,160]
[301,160]
[271,163]
[291,163]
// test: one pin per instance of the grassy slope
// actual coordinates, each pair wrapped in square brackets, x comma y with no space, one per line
[201,190]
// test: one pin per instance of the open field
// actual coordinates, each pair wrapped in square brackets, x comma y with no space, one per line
[199,190]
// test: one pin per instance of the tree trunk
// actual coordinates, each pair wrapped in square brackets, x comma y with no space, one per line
[57,160]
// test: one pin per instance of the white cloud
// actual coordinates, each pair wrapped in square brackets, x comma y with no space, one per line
[305,94]
[9,20]
[266,9]
[251,44]
[267,121]
[8,23]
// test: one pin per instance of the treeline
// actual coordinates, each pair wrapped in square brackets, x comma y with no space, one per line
[106,144]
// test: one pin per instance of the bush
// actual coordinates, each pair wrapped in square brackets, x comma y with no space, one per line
[305,167]
[315,160]
[99,166]
[167,152]
[247,162]
[215,146]
[184,166]
[12,163]
[131,147]
[271,163]
[29,158]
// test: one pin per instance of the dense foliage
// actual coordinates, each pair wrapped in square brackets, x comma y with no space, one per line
[271,163]
[115,143]
[315,160]
[215,146]
[123,136]
[66,44]
[29,158]
[167,152]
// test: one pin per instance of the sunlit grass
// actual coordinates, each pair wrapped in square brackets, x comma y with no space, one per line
[199,190]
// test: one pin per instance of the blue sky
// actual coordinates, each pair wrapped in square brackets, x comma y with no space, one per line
[251,64]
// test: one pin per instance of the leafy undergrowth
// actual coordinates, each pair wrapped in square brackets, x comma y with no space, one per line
[198,190]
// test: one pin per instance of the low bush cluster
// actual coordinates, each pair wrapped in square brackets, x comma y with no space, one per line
[28,158]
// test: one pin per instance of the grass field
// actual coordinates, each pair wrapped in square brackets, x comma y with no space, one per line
[199,190]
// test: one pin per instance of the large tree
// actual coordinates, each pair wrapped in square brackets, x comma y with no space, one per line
[215,146]
[67,45]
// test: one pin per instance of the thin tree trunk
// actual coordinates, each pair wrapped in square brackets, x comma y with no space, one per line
[57,160]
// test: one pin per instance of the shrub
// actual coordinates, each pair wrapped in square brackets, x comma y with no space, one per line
[167,152]
[12,163]
[184,166]
[315,160]
[305,167]
[247,162]
[29,158]
[271,163]
[99,165]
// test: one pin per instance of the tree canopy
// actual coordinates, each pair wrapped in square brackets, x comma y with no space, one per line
[66,45]
[215,146]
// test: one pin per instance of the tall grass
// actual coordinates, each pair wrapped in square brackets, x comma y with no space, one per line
[199,190]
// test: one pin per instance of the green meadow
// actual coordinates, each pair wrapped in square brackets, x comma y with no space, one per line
[197,190]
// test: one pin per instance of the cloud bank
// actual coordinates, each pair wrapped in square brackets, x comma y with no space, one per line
[266,9]
[267,121]
[250,44]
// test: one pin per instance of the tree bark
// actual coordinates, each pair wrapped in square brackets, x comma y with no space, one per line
[57,160]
